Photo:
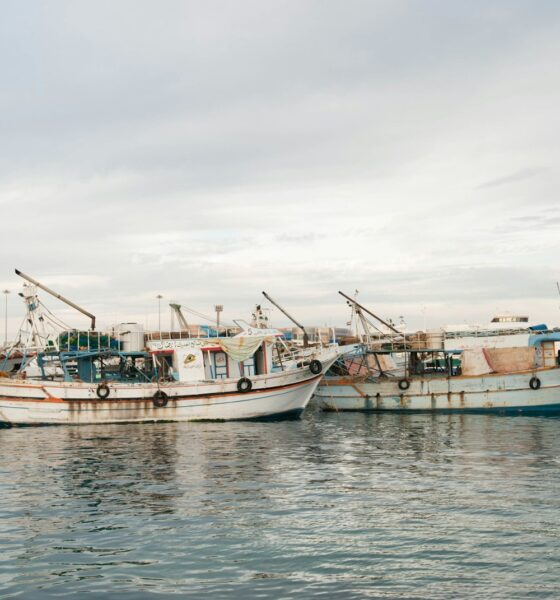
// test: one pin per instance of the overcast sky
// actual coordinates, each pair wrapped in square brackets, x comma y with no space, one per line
[210,150]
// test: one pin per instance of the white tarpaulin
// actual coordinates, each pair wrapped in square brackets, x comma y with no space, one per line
[473,362]
[240,348]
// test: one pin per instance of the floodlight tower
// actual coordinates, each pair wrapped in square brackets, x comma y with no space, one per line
[218,308]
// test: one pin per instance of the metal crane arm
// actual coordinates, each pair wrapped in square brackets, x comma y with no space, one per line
[59,296]
[180,316]
[305,336]
[370,313]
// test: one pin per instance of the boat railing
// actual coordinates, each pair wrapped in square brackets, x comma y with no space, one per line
[171,335]
[200,332]
[481,332]
[453,335]
[120,341]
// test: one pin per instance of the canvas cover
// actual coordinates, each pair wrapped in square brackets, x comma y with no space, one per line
[240,348]
[510,360]
[473,362]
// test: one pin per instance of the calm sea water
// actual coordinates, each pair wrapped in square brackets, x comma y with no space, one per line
[333,506]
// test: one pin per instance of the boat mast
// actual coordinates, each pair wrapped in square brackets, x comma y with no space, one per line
[370,313]
[59,296]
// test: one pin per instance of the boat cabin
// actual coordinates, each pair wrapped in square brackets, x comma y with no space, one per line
[245,355]
[181,360]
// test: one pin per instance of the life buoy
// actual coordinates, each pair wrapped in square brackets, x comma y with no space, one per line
[102,391]
[404,384]
[244,385]
[315,366]
[160,399]
[535,383]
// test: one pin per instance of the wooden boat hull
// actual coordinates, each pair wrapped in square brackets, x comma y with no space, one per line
[44,403]
[496,392]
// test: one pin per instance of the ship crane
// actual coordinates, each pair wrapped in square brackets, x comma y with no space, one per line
[358,306]
[176,308]
[59,296]
[305,336]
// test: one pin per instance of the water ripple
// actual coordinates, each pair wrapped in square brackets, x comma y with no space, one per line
[341,506]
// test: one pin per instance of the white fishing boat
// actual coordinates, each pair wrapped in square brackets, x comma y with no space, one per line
[85,377]
[71,400]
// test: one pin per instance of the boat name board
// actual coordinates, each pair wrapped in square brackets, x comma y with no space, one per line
[172,344]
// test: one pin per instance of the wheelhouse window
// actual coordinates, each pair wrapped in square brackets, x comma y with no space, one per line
[220,365]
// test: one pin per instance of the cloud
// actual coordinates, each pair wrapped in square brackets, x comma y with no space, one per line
[209,151]
[300,238]
[520,175]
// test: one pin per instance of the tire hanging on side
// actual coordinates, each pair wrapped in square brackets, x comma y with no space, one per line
[315,366]
[103,391]
[244,385]
[160,399]
[404,384]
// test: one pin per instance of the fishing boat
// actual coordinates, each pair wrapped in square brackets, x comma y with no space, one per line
[125,375]
[420,373]
[441,383]
[414,374]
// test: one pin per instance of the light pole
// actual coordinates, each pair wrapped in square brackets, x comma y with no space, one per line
[218,308]
[159,297]
[6,292]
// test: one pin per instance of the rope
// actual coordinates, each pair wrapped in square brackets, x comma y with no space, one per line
[203,316]
[52,317]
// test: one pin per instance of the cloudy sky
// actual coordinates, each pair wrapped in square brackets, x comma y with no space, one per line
[210,150]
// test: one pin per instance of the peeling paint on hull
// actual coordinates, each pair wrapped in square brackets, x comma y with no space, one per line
[280,395]
[498,393]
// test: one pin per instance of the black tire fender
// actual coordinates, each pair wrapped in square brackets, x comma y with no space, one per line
[103,391]
[160,399]
[244,385]
[404,384]
[315,366]
[534,383]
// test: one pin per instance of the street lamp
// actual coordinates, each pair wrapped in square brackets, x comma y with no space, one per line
[6,292]
[218,308]
[159,297]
